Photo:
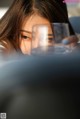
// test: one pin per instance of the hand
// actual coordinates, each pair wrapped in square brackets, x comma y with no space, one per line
[70,41]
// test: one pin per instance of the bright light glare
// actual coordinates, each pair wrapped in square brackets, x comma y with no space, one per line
[2,11]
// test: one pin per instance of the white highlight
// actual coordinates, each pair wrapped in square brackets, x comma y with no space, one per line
[43,31]
[3,11]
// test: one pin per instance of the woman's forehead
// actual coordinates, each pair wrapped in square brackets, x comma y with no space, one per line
[28,23]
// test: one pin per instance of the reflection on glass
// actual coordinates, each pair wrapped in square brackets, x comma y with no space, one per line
[46,39]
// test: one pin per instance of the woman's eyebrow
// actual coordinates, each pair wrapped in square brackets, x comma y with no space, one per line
[26,31]
[31,32]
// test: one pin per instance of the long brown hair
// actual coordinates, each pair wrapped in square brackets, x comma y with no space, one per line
[53,10]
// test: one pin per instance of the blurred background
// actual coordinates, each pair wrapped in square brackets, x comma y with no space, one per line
[4,5]
[73,9]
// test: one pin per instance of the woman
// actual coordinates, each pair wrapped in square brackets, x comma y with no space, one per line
[16,24]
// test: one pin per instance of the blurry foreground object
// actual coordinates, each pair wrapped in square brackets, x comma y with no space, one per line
[47,39]
[41,87]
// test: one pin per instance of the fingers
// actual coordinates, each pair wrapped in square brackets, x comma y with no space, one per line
[70,40]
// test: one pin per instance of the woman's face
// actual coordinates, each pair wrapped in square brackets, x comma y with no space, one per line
[26,32]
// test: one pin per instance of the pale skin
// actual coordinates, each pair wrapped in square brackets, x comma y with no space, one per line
[26,32]
[25,44]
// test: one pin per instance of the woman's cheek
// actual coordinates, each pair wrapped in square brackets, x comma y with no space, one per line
[25,47]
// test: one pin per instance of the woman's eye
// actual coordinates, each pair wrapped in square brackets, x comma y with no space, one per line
[25,37]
